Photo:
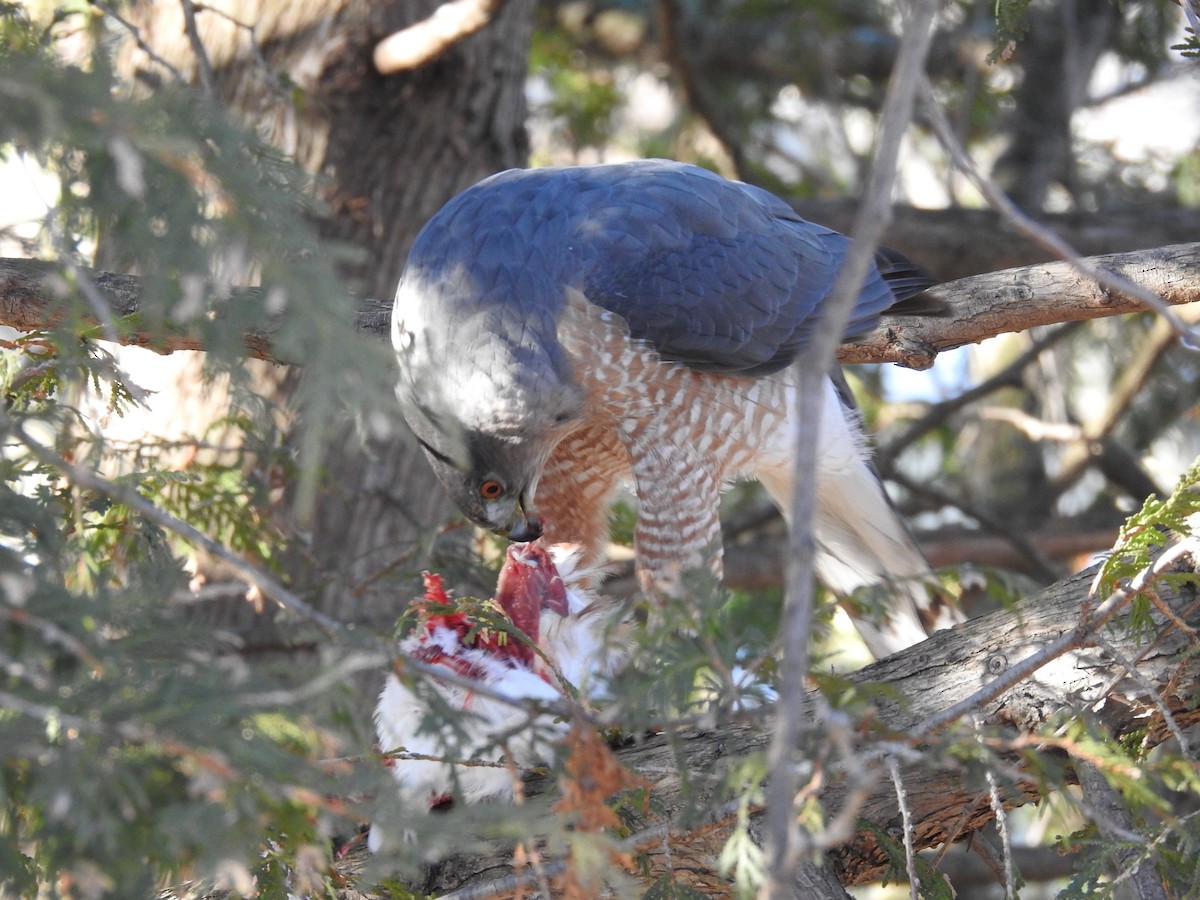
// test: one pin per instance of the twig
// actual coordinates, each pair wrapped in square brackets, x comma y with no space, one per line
[1041,235]
[35,677]
[1133,379]
[337,674]
[135,33]
[83,280]
[519,880]
[465,763]
[53,634]
[1171,616]
[885,455]
[1032,427]
[1147,687]
[910,854]
[135,501]
[43,713]
[208,78]
[1041,565]
[1193,15]
[1010,889]
[273,79]
[953,833]
[785,841]
[1166,832]
[861,777]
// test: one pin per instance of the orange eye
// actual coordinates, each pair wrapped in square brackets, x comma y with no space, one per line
[491,490]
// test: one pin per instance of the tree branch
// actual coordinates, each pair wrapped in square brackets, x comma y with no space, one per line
[983,306]
[425,41]
[1096,427]
[86,477]
[33,297]
[789,842]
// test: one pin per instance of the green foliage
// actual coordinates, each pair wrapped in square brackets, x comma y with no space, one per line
[1153,789]
[699,654]
[584,98]
[1190,47]
[136,744]
[932,885]
[191,202]
[1156,788]
[741,857]
[1142,538]
[125,726]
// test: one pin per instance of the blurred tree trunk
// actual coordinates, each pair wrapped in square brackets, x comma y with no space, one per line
[387,151]
[1058,55]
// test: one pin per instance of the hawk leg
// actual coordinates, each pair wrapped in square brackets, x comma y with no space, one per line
[678,528]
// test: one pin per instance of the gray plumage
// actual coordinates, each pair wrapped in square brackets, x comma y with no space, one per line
[713,275]
[716,274]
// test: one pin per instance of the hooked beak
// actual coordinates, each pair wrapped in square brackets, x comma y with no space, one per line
[528,526]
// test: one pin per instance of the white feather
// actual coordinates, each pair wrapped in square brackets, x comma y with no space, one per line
[861,538]
[574,647]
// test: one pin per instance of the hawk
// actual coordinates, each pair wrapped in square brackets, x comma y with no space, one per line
[562,331]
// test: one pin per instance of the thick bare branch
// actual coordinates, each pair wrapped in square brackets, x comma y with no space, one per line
[983,306]
[32,295]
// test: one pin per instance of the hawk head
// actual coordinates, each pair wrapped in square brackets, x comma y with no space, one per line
[486,404]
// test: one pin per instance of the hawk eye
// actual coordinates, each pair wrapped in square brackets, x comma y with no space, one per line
[491,489]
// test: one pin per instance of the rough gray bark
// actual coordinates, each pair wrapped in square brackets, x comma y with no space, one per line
[988,305]
[980,306]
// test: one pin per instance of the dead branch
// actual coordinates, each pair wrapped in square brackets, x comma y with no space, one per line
[34,295]
[425,41]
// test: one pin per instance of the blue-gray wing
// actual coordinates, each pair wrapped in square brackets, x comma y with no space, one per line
[712,273]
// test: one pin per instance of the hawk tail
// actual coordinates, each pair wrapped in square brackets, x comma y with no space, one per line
[867,556]
[862,542]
